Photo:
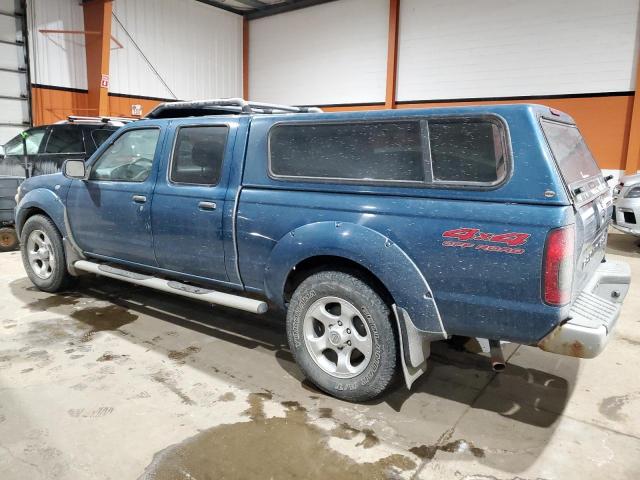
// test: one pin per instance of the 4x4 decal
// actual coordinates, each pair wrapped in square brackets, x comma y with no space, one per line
[467,238]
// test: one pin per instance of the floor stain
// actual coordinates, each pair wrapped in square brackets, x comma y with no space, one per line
[47,303]
[256,405]
[182,354]
[325,412]
[227,397]
[164,379]
[610,407]
[109,357]
[427,452]
[101,319]
[279,447]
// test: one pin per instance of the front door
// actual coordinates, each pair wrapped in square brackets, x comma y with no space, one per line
[188,201]
[110,213]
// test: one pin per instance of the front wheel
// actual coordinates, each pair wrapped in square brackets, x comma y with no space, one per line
[43,254]
[341,335]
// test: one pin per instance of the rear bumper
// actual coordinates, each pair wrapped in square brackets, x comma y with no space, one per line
[593,314]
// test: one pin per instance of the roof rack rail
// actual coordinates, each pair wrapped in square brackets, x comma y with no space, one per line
[221,106]
[117,121]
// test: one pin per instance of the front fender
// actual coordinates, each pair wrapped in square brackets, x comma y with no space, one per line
[370,249]
[45,200]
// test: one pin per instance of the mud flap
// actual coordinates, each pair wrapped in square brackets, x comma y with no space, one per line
[415,347]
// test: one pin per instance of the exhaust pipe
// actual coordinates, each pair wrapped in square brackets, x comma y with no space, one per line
[497,358]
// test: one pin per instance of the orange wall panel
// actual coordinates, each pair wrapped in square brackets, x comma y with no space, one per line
[52,105]
[121,106]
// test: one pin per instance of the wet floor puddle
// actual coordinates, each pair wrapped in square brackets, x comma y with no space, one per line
[277,447]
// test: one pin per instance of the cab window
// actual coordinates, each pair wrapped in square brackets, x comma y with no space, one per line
[198,154]
[129,158]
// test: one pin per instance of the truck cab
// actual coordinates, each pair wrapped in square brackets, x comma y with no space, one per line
[376,232]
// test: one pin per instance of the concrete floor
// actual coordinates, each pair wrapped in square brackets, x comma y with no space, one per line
[115,382]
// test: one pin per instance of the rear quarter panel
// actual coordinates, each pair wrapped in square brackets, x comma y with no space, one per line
[478,291]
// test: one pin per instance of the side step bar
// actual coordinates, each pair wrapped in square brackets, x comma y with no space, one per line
[177,288]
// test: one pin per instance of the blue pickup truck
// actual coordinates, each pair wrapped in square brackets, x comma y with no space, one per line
[377,232]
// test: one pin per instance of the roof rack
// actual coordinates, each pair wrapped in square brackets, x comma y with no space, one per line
[221,106]
[115,121]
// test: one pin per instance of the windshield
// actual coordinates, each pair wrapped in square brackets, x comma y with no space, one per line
[570,151]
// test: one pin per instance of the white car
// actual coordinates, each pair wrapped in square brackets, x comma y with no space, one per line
[626,202]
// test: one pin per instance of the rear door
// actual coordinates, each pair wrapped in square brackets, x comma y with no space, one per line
[188,201]
[589,192]
[64,141]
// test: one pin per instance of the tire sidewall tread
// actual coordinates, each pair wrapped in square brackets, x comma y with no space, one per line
[60,277]
[381,371]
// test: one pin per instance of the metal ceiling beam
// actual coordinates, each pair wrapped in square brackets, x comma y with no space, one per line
[253,3]
[223,6]
[283,7]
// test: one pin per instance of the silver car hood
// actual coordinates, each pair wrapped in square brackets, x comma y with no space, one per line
[630,180]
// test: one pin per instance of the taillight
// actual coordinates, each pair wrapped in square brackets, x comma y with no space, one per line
[558,265]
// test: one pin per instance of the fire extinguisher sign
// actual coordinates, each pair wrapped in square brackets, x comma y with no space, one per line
[104,81]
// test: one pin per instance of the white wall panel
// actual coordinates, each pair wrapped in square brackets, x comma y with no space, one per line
[496,48]
[331,53]
[195,48]
[56,59]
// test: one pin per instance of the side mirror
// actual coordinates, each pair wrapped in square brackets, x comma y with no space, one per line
[74,169]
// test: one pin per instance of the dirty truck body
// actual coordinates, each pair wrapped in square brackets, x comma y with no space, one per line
[486,222]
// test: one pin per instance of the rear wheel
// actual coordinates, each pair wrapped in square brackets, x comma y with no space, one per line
[43,254]
[340,333]
[8,239]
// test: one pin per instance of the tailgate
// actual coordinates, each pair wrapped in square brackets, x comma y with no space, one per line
[589,193]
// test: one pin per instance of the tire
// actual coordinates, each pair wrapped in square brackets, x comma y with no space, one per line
[8,239]
[43,254]
[339,311]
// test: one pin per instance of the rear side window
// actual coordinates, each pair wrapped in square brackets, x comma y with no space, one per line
[467,150]
[198,154]
[570,151]
[65,139]
[368,151]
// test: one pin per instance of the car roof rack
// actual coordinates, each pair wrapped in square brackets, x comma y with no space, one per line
[223,106]
[114,121]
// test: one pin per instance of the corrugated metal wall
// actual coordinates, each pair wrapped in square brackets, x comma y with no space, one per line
[501,48]
[331,53]
[55,58]
[196,50]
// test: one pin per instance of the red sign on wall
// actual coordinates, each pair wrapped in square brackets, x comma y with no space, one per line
[104,81]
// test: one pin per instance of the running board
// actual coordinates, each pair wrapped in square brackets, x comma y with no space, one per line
[177,288]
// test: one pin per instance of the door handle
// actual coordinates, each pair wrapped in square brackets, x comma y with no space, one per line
[139,198]
[207,205]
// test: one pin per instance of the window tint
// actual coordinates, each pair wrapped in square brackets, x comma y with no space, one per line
[65,139]
[389,151]
[129,159]
[198,155]
[466,150]
[33,141]
[100,135]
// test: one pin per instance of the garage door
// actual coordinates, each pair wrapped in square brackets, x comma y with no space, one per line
[14,103]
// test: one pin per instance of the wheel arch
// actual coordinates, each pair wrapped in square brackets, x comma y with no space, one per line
[41,201]
[348,245]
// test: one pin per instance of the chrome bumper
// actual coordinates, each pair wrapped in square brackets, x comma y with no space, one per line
[593,314]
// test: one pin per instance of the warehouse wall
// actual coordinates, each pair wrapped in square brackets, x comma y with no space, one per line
[195,49]
[331,53]
[505,48]
[575,55]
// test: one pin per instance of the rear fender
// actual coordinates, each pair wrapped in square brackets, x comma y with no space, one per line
[370,249]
